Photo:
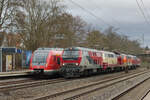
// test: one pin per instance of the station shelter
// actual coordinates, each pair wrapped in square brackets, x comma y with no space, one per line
[11,59]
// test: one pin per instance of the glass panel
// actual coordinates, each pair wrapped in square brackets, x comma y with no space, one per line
[70,55]
[39,57]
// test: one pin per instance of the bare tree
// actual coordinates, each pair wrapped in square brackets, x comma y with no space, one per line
[13,40]
[46,24]
[37,22]
[72,29]
[121,43]
[95,39]
[7,13]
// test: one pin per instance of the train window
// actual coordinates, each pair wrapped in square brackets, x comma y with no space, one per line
[40,57]
[116,56]
[90,60]
[85,53]
[70,55]
[110,55]
[106,55]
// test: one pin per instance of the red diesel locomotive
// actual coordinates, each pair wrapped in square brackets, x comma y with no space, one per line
[46,61]
[77,61]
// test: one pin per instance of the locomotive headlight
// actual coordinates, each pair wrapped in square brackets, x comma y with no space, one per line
[63,64]
[77,64]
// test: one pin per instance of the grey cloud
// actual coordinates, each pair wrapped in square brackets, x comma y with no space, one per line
[123,14]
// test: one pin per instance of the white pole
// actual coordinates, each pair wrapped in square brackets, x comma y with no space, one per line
[0,60]
[14,61]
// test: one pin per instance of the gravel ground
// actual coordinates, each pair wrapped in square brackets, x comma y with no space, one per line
[111,91]
[137,92]
[147,97]
[30,93]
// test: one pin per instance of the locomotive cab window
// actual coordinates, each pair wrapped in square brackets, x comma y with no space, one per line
[70,54]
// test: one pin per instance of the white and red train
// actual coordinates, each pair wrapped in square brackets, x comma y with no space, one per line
[46,60]
[77,61]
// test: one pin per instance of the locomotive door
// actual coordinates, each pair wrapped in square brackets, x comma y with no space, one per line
[56,61]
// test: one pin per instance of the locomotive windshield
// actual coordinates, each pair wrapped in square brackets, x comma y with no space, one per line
[40,57]
[70,55]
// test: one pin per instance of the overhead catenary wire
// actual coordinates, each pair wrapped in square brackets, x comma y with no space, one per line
[90,24]
[92,14]
[100,18]
[113,19]
[142,12]
[145,8]
[89,12]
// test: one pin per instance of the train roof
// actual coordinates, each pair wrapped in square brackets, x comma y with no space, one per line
[57,49]
[87,49]
[107,52]
[82,48]
[94,50]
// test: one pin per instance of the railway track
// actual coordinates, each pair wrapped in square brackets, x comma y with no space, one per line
[9,85]
[89,88]
[23,84]
[4,87]
[130,89]
[16,81]
[142,98]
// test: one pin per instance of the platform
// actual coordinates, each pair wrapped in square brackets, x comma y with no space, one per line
[14,73]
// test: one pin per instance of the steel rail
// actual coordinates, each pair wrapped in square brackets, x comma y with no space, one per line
[90,85]
[128,90]
[30,84]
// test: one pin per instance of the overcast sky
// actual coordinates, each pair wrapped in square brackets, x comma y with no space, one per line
[122,14]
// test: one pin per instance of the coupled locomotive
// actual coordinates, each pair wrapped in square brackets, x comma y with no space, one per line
[78,61]
[46,61]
